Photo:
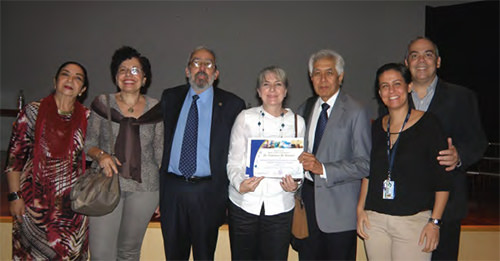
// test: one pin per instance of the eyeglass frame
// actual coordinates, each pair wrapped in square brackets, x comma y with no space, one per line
[134,70]
[197,63]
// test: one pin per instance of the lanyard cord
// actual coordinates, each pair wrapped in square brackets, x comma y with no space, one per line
[391,153]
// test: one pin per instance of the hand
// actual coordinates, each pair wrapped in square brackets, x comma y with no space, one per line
[449,157]
[157,212]
[431,235]
[288,184]
[108,164]
[17,209]
[249,185]
[310,163]
[362,222]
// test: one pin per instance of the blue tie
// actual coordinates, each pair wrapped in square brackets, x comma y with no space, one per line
[320,127]
[187,162]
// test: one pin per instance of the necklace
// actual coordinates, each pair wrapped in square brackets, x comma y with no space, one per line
[261,122]
[130,107]
[64,113]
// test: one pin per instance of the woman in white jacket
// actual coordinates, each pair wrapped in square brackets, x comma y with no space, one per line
[261,209]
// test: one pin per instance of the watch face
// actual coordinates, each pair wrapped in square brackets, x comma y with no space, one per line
[13,196]
[435,221]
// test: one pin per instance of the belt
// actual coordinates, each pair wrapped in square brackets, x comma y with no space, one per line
[192,179]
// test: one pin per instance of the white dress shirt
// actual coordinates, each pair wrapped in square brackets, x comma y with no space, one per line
[269,191]
[312,129]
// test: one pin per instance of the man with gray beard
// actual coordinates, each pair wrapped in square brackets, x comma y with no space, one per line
[193,181]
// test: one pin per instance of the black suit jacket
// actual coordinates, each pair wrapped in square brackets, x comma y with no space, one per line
[226,106]
[456,108]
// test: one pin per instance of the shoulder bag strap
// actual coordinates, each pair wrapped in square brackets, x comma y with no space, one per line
[110,129]
[295,125]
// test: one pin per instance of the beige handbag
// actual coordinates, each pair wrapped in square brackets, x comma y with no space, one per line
[95,194]
[299,223]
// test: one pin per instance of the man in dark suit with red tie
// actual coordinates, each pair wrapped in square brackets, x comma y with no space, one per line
[193,181]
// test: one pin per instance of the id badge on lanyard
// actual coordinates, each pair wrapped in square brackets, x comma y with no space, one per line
[388,189]
[389,186]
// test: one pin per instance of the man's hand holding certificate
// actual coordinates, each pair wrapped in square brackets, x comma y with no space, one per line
[275,158]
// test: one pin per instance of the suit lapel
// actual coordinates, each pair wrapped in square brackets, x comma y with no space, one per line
[436,99]
[217,106]
[336,115]
[308,111]
[337,111]
[175,106]
[335,118]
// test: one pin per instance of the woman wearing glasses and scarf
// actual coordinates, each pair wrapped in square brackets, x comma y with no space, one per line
[138,138]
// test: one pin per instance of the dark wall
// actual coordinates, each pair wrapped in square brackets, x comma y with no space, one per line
[468,39]
[37,36]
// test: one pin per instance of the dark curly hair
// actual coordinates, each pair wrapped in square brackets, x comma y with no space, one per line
[125,53]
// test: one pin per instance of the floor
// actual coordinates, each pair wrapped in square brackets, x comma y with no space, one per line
[484,200]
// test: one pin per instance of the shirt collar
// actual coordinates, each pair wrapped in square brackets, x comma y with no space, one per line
[204,95]
[433,85]
[330,101]
[429,90]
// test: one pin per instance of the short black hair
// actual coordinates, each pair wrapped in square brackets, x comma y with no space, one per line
[125,53]
[421,38]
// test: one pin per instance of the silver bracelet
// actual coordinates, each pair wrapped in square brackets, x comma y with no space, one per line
[459,164]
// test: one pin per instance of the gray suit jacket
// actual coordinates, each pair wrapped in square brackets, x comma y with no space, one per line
[345,152]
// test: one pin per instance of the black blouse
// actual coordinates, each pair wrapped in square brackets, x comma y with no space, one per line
[416,172]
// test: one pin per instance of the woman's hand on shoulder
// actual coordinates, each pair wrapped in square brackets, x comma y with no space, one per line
[362,223]
[430,234]
[250,184]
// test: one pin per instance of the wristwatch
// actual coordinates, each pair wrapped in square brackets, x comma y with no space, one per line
[436,221]
[14,196]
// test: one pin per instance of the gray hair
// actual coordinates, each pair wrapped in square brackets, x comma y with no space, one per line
[421,38]
[198,48]
[327,53]
[280,74]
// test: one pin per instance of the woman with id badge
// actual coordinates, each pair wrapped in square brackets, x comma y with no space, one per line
[403,199]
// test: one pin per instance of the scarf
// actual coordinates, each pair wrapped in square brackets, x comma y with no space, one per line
[56,134]
[128,142]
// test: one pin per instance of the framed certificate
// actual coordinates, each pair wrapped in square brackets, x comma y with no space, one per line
[275,157]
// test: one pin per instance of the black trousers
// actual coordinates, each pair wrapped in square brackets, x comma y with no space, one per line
[188,219]
[449,241]
[320,245]
[259,237]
